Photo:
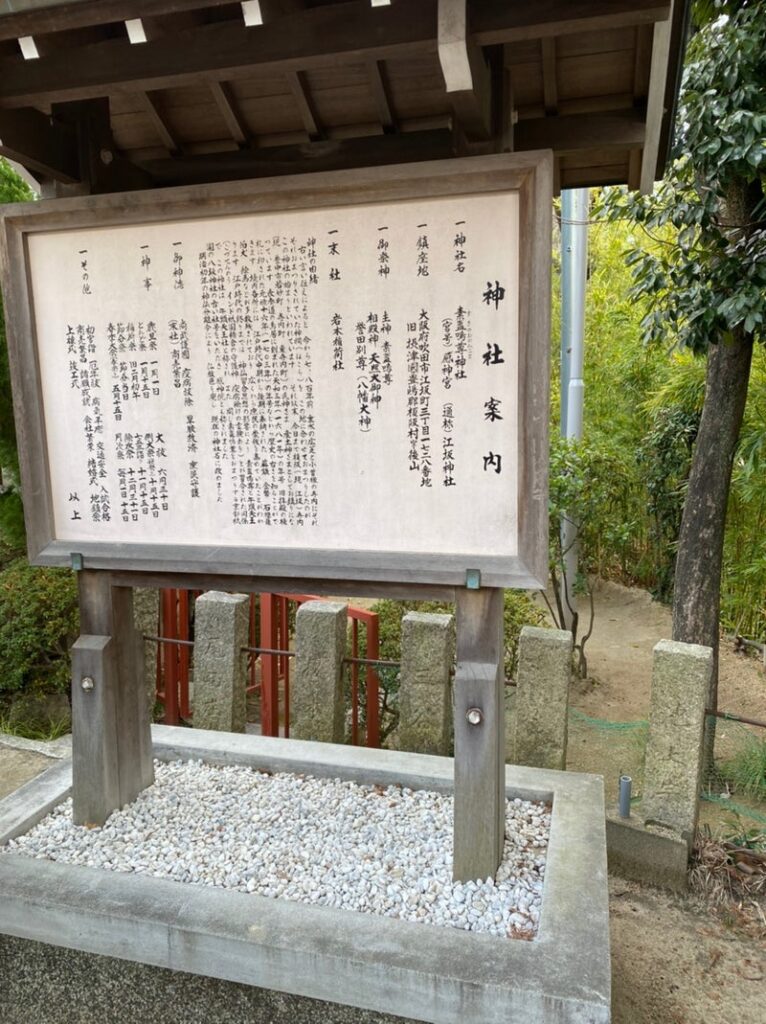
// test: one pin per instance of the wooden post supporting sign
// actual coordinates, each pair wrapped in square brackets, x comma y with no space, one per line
[111,737]
[479,742]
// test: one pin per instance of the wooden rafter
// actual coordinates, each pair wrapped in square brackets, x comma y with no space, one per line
[302,95]
[316,37]
[159,121]
[550,85]
[634,169]
[376,74]
[230,112]
[505,112]
[642,61]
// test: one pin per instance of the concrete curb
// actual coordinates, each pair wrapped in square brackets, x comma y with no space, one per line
[374,963]
[23,808]
[62,747]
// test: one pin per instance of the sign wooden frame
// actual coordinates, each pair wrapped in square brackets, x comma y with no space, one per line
[528,174]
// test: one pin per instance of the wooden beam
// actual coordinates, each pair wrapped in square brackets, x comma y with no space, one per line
[102,168]
[621,130]
[83,13]
[634,169]
[642,61]
[302,95]
[230,112]
[556,176]
[40,143]
[376,73]
[333,155]
[165,133]
[655,104]
[466,74]
[505,110]
[550,86]
[316,37]
[680,30]
[498,21]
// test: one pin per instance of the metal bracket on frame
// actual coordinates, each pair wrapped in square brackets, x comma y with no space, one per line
[77,561]
[473,579]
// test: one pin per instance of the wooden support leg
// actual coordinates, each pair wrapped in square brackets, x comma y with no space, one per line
[111,737]
[479,735]
[95,777]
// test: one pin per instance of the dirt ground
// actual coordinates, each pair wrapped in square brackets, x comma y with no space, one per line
[18,767]
[627,625]
[675,963]
[674,959]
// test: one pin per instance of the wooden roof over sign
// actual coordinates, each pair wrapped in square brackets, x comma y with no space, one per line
[111,95]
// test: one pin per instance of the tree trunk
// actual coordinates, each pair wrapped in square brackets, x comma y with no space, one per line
[696,595]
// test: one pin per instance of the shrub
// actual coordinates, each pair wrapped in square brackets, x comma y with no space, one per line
[746,771]
[38,624]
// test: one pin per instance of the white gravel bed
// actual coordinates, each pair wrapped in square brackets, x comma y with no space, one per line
[324,841]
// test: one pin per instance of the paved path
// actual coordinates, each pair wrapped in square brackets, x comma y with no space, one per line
[21,760]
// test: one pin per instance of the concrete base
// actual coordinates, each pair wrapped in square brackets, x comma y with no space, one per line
[43,984]
[398,968]
[646,853]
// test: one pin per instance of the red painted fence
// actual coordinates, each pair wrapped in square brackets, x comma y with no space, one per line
[268,654]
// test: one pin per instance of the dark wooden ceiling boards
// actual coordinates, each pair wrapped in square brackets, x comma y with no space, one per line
[334,83]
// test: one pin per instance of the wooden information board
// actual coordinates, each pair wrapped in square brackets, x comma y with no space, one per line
[342,379]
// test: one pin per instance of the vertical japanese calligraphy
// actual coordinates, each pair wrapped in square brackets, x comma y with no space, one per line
[317,379]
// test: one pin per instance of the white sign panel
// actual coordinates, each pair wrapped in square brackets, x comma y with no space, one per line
[342,378]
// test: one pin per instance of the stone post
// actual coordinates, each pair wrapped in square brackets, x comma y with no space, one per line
[317,707]
[425,698]
[680,679]
[146,617]
[542,698]
[220,633]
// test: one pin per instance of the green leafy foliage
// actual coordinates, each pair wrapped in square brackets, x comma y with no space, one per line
[746,772]
[642,408]
[53,729]
[743,596]
[664,459]
[593,483]
[705,275]
[39,621]
[697,257]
